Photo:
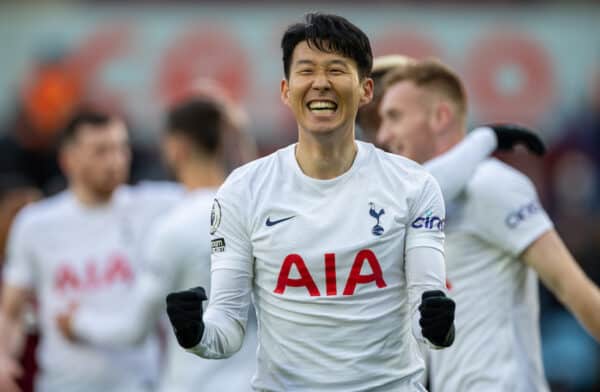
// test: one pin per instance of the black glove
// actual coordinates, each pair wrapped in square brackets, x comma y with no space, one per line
[437,318]
[185,312]
[509,135]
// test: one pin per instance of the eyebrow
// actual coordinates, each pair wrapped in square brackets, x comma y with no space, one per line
[304,62]
[328,63]
[337,62]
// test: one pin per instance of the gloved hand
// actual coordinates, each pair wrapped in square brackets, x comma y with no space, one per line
[509,135]
[437,318]
[185,313]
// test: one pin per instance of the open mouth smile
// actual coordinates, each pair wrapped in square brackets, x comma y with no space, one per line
[322,106]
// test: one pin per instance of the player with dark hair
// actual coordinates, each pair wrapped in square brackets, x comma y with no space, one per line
[339,243]
[82,246]
[177,257]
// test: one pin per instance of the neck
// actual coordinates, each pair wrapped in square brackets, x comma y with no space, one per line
[201,173]
[89,198]
[448,140]
[325,156]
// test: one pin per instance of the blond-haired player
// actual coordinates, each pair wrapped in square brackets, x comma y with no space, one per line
[499,240]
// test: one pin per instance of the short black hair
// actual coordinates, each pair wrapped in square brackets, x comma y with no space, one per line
[200,120]
[83,117]
[331,34]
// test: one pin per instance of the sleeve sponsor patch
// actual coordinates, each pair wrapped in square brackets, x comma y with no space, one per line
[429,221]
[217,245]
[514,218]
[215,217]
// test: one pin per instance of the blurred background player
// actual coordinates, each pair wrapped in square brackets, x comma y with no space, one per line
[82,246]
[498,240]
[238,144]
[368,119]
[455,167]
[339,293]
[177,258]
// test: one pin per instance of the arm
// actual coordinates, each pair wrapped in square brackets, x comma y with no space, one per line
[424,268]
[454,169]
[142,310]
[512,219]
[11,323]
[165,255]
[18,279]
[226,315]
[426,274]
[220,331]
[13,300]
[562,275]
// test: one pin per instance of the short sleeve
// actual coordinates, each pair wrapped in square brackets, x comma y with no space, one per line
[231,247]
[19,267]
[507,211]
[427,217]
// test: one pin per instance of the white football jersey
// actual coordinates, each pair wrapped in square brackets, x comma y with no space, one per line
[327,259]
[497,345]
[68,253]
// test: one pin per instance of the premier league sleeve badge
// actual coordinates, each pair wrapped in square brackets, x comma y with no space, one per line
[215,217]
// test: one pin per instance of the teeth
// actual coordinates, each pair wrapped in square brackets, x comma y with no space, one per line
[321,105]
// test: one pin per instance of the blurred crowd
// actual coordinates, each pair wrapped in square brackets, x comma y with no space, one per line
[567,178]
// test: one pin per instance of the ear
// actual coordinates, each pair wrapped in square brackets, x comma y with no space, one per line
[285,92]
[443,115]
[366,90]
[171,149]
[65,158]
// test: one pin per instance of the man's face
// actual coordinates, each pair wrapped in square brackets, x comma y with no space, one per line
[406,122]
[99,157]
[324,90]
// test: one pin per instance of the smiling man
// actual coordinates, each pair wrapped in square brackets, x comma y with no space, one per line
[339,243]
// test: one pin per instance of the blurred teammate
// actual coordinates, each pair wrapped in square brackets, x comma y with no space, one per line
[340,244]
[455,167]
[368,116]
[82,246]
[239,146]
[177,258]
[498,240]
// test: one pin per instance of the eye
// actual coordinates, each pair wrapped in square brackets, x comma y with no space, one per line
[305,71]
[393,115]
[336,71]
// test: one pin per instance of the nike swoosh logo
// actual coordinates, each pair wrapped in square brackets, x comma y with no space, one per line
[269,222]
